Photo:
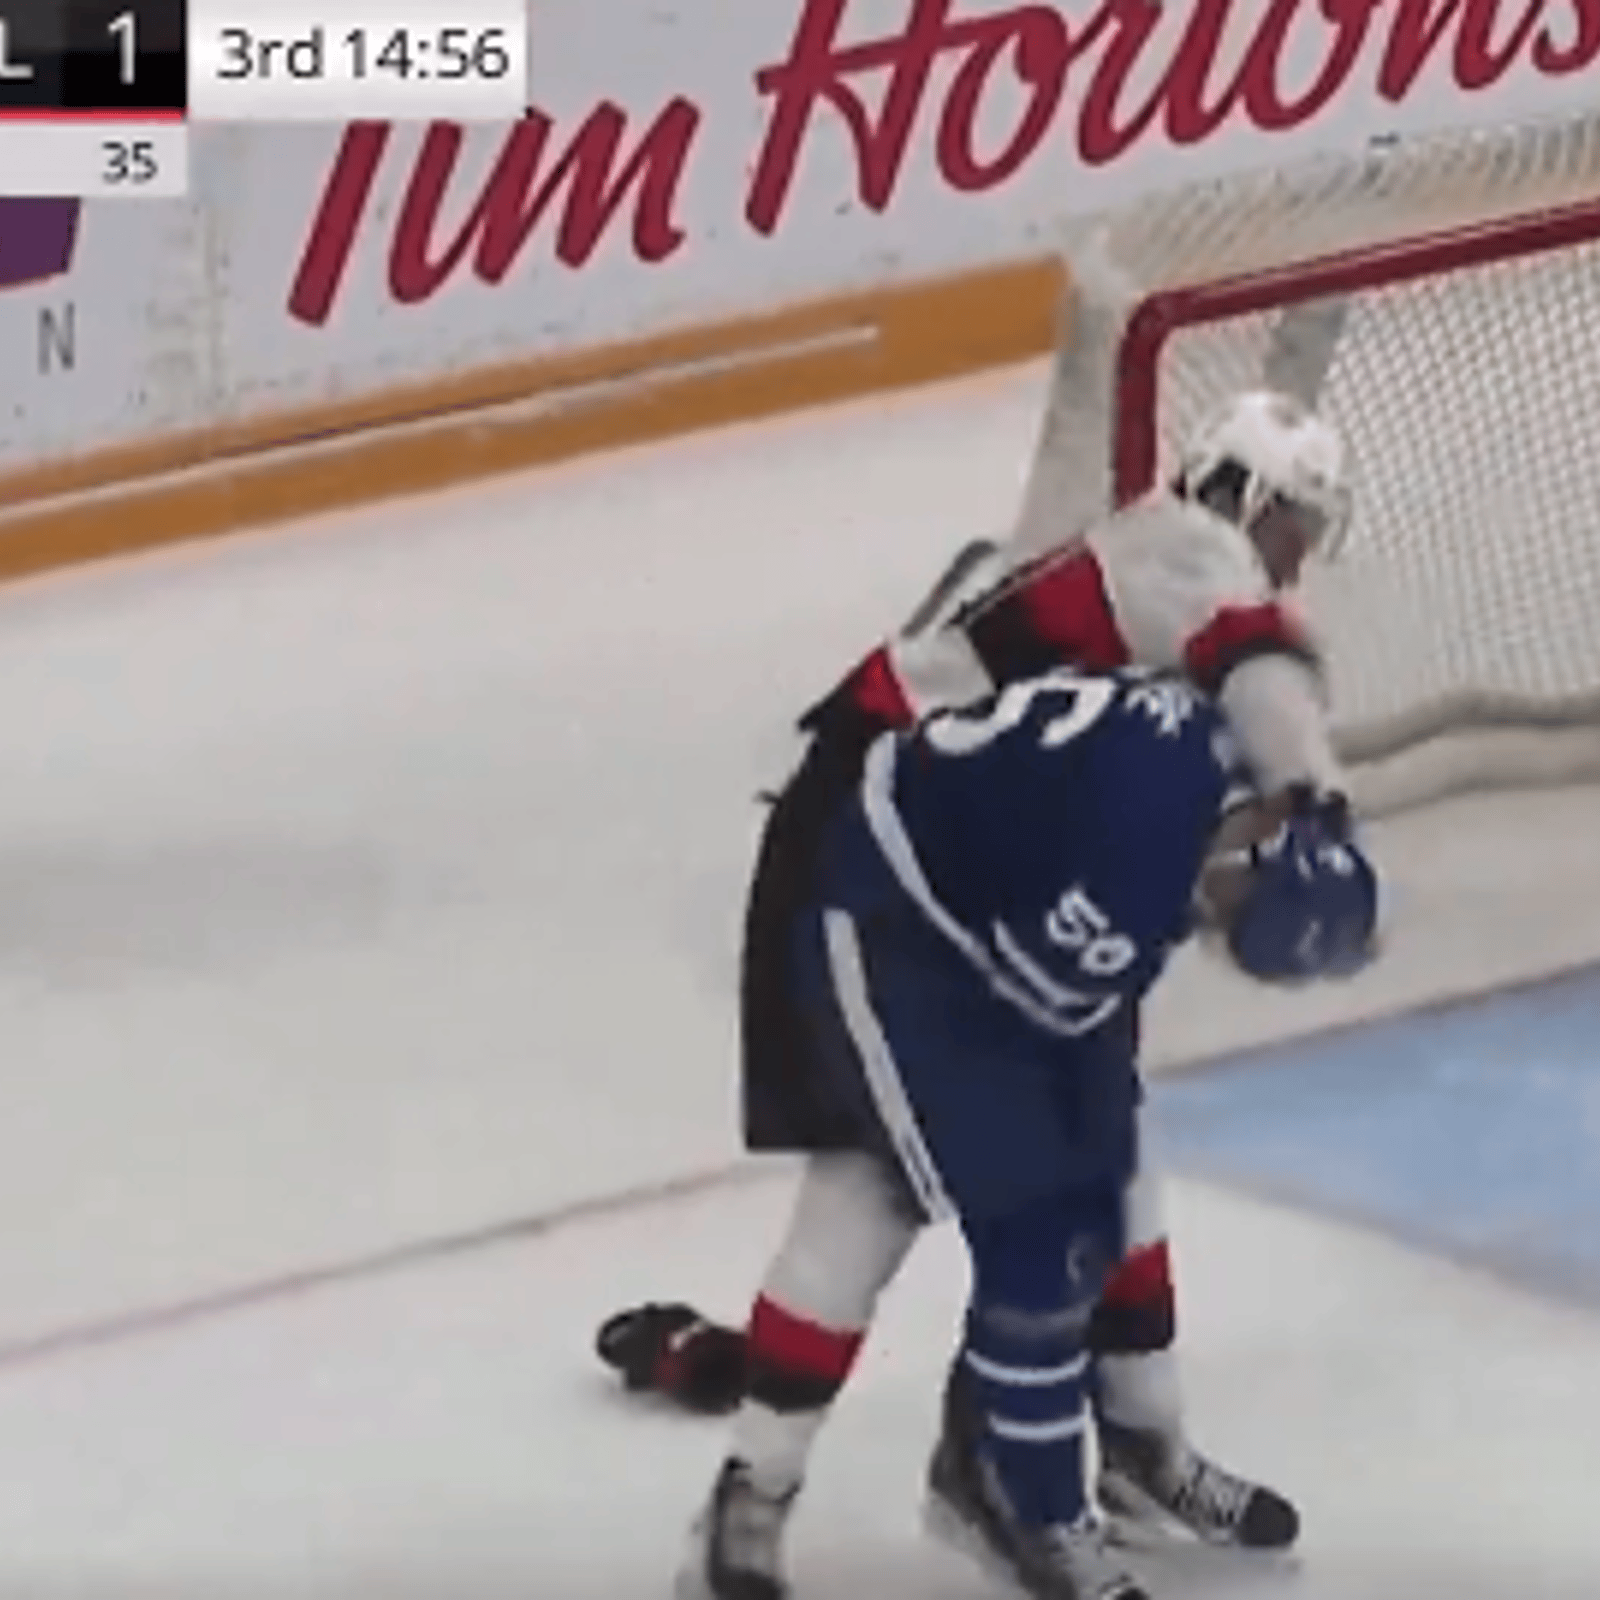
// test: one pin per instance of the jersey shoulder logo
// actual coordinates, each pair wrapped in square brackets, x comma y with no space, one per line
[1169,703]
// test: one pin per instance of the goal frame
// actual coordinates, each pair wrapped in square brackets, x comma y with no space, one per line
[1163,313]
[1101,442]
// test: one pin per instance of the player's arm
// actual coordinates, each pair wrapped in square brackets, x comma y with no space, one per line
[1188,592]
[1050,613]
[1275,706]
[903,680]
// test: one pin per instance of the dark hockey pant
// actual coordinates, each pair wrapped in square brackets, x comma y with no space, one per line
[788,1104]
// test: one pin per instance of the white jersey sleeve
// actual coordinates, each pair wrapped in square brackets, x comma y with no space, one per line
[1170,569]
[1188,591]
[1274,706]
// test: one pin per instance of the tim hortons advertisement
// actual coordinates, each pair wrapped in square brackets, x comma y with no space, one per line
[737,156]
[684,163]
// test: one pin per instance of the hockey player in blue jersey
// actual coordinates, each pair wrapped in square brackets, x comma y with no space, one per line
[1190,577]
[1006,885]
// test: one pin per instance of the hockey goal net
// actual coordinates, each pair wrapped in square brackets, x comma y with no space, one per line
[1439,301]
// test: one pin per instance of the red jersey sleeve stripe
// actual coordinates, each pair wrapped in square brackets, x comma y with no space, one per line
[1057,615]
[1237,633]
[876,689]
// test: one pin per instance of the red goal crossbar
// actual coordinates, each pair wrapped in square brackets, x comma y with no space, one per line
[1167,312]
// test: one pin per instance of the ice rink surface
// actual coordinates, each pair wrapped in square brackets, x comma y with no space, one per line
[375,882]
[441,1436]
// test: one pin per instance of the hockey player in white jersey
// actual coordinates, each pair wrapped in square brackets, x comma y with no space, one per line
[1191,577]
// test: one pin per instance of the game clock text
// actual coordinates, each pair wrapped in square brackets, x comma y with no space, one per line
[404,54]
[342,60]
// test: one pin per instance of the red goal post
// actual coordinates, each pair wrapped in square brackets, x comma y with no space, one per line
[1439,301]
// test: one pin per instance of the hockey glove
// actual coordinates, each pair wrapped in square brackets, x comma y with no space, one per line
[673,1351]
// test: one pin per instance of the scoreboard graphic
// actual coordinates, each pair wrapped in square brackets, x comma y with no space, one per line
[93,98]
[97,96]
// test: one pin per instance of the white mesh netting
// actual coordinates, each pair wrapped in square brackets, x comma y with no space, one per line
[1465,609]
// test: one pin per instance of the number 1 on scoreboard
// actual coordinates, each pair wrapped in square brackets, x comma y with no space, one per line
[124,27]
[121,55]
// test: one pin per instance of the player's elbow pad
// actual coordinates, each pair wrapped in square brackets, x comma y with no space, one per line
[1273,702]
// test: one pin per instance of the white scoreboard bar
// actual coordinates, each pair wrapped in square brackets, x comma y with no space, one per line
[106,156]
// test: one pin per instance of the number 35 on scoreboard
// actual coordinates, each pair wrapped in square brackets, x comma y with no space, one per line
[93,97]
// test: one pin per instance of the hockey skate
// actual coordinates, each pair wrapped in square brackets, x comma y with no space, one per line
[965,1510]
[1154,1488]
[736,1547]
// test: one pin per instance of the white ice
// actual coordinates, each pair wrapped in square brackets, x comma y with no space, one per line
[376,881]
[443,1436]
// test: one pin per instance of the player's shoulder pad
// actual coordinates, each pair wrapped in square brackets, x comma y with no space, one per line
[1164,530]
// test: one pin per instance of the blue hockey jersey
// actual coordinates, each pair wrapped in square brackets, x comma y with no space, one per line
[1054,835]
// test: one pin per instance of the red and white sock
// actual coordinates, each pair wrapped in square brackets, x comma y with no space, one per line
[846,1241]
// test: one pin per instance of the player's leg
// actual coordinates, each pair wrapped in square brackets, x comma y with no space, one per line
[1028,1141]
[1135,1326]
[1008,1483]
[787,1107]
[849,1230]
[846,1238]
[924,1080]
[1151,1475]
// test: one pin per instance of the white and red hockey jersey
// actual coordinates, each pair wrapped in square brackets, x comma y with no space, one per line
[1162,583]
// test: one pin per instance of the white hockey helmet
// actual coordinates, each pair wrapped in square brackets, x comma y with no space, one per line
[1264,459]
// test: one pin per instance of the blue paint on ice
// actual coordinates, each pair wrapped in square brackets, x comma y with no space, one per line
[1473,1130]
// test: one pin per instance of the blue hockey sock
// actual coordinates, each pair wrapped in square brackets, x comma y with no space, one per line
[1036,1279]
[1031,1396]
